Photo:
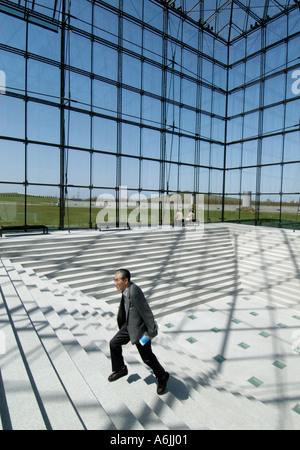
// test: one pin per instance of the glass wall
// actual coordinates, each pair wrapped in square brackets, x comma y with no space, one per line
[263,148]
[107,97]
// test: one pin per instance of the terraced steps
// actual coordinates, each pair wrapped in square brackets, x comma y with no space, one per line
[64,339]
[227,304]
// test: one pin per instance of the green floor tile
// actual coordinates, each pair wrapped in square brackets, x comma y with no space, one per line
[236,321]
[215,330]
[213,310]
[255,381]
[220,359]
[264,334]
[281,325]
[296,317]
[192,340]
[243,345]
[254,314]
[192,317]
[279,365]
[169,325]
[297,408]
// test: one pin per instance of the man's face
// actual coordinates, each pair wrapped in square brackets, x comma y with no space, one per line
[120,284]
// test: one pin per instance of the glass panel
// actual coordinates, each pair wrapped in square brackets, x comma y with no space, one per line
[187,151]
[150,175]
[275,90]
[78,130]
[152,79]
[80,52]
[134,8]
[104,134]
[43,123]
[204,180]
[43,206]
[234,156]
[272,150]
[253,69]
[274,119]
[104,170]
[186,174]
[80,90]
[235,103]
[277,30]
[151,111]
[104,98]
[216,181]
[271,179]
[252,97]
[151,143]
[132,36]
[105,24]
[130,173]
[78,208]
[81,15]
[12,157]
[12,31]
[12,204]
[172,147]
[172,177]
[276,59]
[292,147]
[152,46]
[12,117]
[249,153]
[44,81]
[43,164]
[131,71]
[291,179]
[130,140]
[251,125]
[131,105]
[78,166]
[105,61]
[44,42]
[233,181]
[249,180]
[13,67]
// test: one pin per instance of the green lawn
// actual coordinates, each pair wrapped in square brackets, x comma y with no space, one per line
[45,211]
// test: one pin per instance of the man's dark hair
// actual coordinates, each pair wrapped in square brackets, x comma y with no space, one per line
[125,274]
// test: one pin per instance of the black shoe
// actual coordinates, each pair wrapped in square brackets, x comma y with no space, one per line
[162,383]
[118,374]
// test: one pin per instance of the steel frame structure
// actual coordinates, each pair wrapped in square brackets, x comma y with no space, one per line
[59,20]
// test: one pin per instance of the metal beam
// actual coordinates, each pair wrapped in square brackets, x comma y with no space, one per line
[248,10]
[217,12]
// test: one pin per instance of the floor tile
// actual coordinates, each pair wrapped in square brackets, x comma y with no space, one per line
[255,381]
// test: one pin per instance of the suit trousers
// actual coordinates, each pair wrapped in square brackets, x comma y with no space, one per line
[146,353]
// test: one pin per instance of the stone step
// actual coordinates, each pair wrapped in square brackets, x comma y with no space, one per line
[198,392]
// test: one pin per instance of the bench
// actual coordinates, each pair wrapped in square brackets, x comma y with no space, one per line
[23,228]
[105,226]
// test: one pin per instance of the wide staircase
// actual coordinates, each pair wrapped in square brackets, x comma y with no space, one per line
[175,269]
[268,262]
[58,310]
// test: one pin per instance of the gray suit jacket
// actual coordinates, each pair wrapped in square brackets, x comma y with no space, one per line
[139,318]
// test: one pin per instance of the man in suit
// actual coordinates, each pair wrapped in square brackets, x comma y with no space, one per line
[135,318]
